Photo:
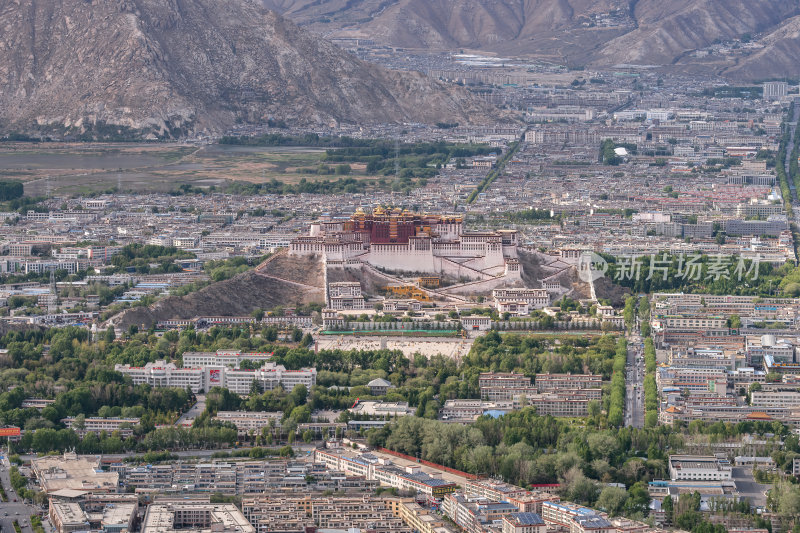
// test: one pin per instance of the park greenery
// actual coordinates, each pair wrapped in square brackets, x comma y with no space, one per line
[695,273]
[584,455]
[10,190]
[527,449]
[396,166]
[608,156]
[420,160]
[650,388]
[148,259]
[77,372]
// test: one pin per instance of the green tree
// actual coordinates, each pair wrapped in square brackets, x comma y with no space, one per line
[612,500]
[668,508]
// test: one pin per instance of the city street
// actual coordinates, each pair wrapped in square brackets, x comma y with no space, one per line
[11,510]
[634,381]
[194,411]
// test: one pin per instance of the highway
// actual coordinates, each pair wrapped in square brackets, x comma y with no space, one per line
[634,381]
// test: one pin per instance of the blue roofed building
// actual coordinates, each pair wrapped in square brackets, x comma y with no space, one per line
[523,523]
[593,523]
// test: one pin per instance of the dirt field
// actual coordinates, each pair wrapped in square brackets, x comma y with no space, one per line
[81,168]
[454,348]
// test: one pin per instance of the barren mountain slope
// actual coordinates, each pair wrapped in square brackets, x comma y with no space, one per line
[668,29]
[778,57]
[301,283]
[577,32]
[191,65]
[443,23]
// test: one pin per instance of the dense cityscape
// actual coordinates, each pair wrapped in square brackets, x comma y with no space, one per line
[581,315]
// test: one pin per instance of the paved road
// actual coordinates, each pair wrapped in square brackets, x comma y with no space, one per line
[749,488]
[634,380]
[789,147]
[787,163]
[194,411]
[14,510]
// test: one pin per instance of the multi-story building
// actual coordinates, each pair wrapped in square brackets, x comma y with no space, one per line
[555,400]
[71,471]
[365,464]
[423,520]
[239,477]
[227,358]
[531,298]
[240,381]
[382,409]
[699,468]
[402,241]
[492,489]
[759,346]
[696,357]
[168,516]
[523,523]
[95,512]
[345,295]
[124,426]
[558,382]
[502,379]
[523,500]
[469,410]
[563,513]
[775,398]
[250,421]
[775,90]
[275,512]
[591,524]
[472,514]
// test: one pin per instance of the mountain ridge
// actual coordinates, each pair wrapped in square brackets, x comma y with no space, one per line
[173,67]
[597,33]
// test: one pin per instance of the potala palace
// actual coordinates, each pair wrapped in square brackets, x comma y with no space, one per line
[401,241]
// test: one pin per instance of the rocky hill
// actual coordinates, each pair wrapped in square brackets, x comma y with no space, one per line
[168,67]
[286,281]
[578,32]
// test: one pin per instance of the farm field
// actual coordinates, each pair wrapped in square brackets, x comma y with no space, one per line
[84,168]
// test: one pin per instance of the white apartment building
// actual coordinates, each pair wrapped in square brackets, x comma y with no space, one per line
[202,379]
[345,295]
[699,468]
[166,516]
[468,409]
[562,513]
[391,409]
[695,322]
[99,425]
[247,421]
[775,90]
[228,358]
[523,523]
[769,398]
[372,468]
[534,298]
